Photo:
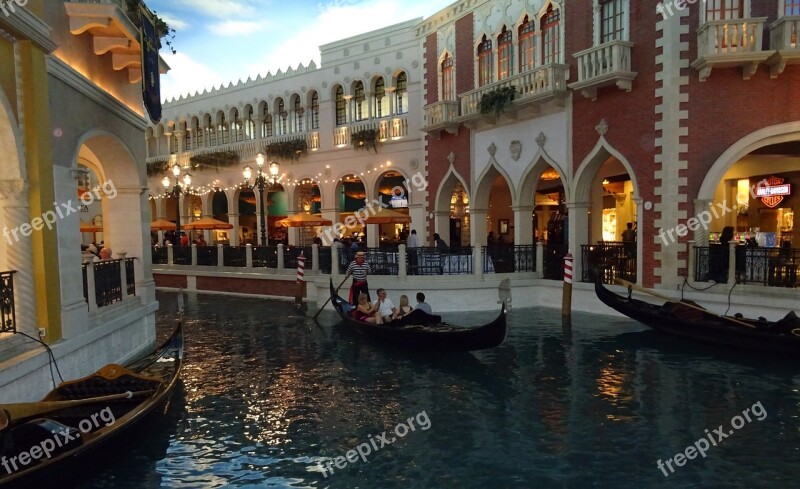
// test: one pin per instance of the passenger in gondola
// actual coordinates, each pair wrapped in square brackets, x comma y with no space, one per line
[386,309]
[365,311]
[404,308]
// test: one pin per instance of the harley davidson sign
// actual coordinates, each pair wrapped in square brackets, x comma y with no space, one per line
[773,192]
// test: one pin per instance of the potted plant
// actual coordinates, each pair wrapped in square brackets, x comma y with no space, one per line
[365,139]
[497,100]
[288,150]
[216,160]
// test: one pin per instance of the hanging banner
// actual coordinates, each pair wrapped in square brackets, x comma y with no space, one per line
[151,81]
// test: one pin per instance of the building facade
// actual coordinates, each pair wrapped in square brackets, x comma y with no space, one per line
[72,157]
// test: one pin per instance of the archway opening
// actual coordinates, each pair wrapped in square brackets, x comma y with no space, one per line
[277,208]
[309,201]
[351,196]
[247,218]
[219,210]
[459,217]
[393,194]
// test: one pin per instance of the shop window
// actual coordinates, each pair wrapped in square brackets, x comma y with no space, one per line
[551,36]
[505,60]
[485,62]
[527,45]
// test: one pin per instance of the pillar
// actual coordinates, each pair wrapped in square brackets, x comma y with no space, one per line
[477,228]
[523,226]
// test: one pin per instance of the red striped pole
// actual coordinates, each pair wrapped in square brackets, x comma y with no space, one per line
[300,286]
[566,298]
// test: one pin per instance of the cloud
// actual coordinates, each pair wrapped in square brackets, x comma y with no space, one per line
[174,22]
[187,76]
[233,28]
[220,8]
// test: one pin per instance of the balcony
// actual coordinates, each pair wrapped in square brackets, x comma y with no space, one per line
[604,65]
[112,31]
[534,88]
[389,129]
[731,43]
[442,115]
[785,35]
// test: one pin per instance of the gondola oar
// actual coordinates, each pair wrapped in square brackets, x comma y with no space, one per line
[329,299]
[633,286]
[27,409]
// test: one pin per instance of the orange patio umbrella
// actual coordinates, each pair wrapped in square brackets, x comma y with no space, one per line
[87,227]
[304,220]
[387,216]
[162,225]
[208,223]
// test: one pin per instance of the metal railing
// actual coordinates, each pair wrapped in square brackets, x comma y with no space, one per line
[234,256]
[772,267]
[160,256]
[509,258]
[8,315]
[290,254]
[609,260]
[382,261]
[206,256]
[553,261]
[130,276]
[182,255]
[106,276]
[265,257]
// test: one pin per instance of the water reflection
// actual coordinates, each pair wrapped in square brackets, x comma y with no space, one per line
[269,396]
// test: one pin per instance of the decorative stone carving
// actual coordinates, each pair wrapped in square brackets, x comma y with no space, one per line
[414,164]
[541,139]
[414,64]
[324,84]
[602,127]
[377,60]
[346,52]
[451,157]
[347,79]
[366,47]
[399,55]
[492,149]
[367,74]
[516,149]
[388,71]
[356,65]
[327,173]
[335,70]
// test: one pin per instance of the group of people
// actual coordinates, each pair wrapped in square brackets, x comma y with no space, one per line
[95,252]
[383,310]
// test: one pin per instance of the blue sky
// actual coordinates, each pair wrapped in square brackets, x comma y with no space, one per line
[219,41]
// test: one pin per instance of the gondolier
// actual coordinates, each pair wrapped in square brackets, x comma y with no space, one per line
[359,269]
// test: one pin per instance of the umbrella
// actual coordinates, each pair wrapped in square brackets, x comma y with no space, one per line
[162,225]
[208,223]
[87,227]
[304,220]
[386,216]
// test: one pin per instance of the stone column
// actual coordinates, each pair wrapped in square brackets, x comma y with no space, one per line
[523,226]
[477,224]
[540,259]
[578,231]
[402,271]
[14,202]
[701,233]
[732,262]
[233,234]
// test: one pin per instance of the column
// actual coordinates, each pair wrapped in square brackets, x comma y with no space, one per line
[540,259]
[578,231]
[402,271]
[315,257]
[373,235]
[732,262]
[233,234]
[248,256]
[523,225]
[348,104]
[281,265]
[477,223]
[390,94]
[701,233]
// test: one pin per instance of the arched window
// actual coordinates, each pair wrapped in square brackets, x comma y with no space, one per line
[236,127]
[222,131]
[380,98]
[359,105]
[341,109]
[266,125]
[249,125]
[724,9]
[527,45]
[298,115]
[448,79]
[198,133]
[212,133]
[187,140]
[505,60]
[282,116]
[551,36]
[315,110]
[611,20]
[484,62]
[401,93]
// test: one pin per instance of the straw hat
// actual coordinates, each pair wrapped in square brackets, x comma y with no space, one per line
[361,253]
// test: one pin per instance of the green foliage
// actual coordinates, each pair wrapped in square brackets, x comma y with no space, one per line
[498,100]
[163,29]
[365,139]
[216,160]
[287,150]
[156,168]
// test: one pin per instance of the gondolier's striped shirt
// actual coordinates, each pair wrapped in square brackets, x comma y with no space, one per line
[359,272]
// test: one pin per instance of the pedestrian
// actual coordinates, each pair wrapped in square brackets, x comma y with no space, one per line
[441,246]
[359,269]
[412,243]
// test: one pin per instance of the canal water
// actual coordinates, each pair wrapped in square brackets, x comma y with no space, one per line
[269,399]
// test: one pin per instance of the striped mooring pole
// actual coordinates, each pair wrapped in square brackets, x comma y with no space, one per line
[566,298]
[300,286]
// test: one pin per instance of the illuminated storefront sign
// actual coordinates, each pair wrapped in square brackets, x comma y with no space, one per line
[773,192]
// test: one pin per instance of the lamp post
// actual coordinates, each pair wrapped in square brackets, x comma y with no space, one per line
[262,182]
[176,191]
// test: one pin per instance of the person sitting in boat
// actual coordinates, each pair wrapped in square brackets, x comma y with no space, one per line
[365,311]
[422,305]
[359,269]
[404,308]
[386,309]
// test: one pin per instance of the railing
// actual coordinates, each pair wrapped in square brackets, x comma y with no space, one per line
[729,37]
[387,129]
[442,112]
[554,261]
[130,276]
[382,261]
[290,254]
[265,256]
[182,255]
[234,256]
[609,260]
[509,258]
[603,60]
[8,315]
[540,83]
[109,280]
[160,255]
[773,267]
[784,33]
[206,256]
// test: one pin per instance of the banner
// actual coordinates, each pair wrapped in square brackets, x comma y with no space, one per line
[151,81]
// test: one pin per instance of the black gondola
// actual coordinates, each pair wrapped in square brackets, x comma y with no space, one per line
[690,321]
[424,331]
[54,437]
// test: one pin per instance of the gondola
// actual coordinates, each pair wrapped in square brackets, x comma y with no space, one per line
[689,320]
[423,331]
[56,436]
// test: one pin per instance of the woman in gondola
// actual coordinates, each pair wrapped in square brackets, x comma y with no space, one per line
[365,311]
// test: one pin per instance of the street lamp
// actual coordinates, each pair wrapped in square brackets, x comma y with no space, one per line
[176,191]
[262,182]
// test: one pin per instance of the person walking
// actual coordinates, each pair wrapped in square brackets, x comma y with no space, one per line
[359,269]
[412,244]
